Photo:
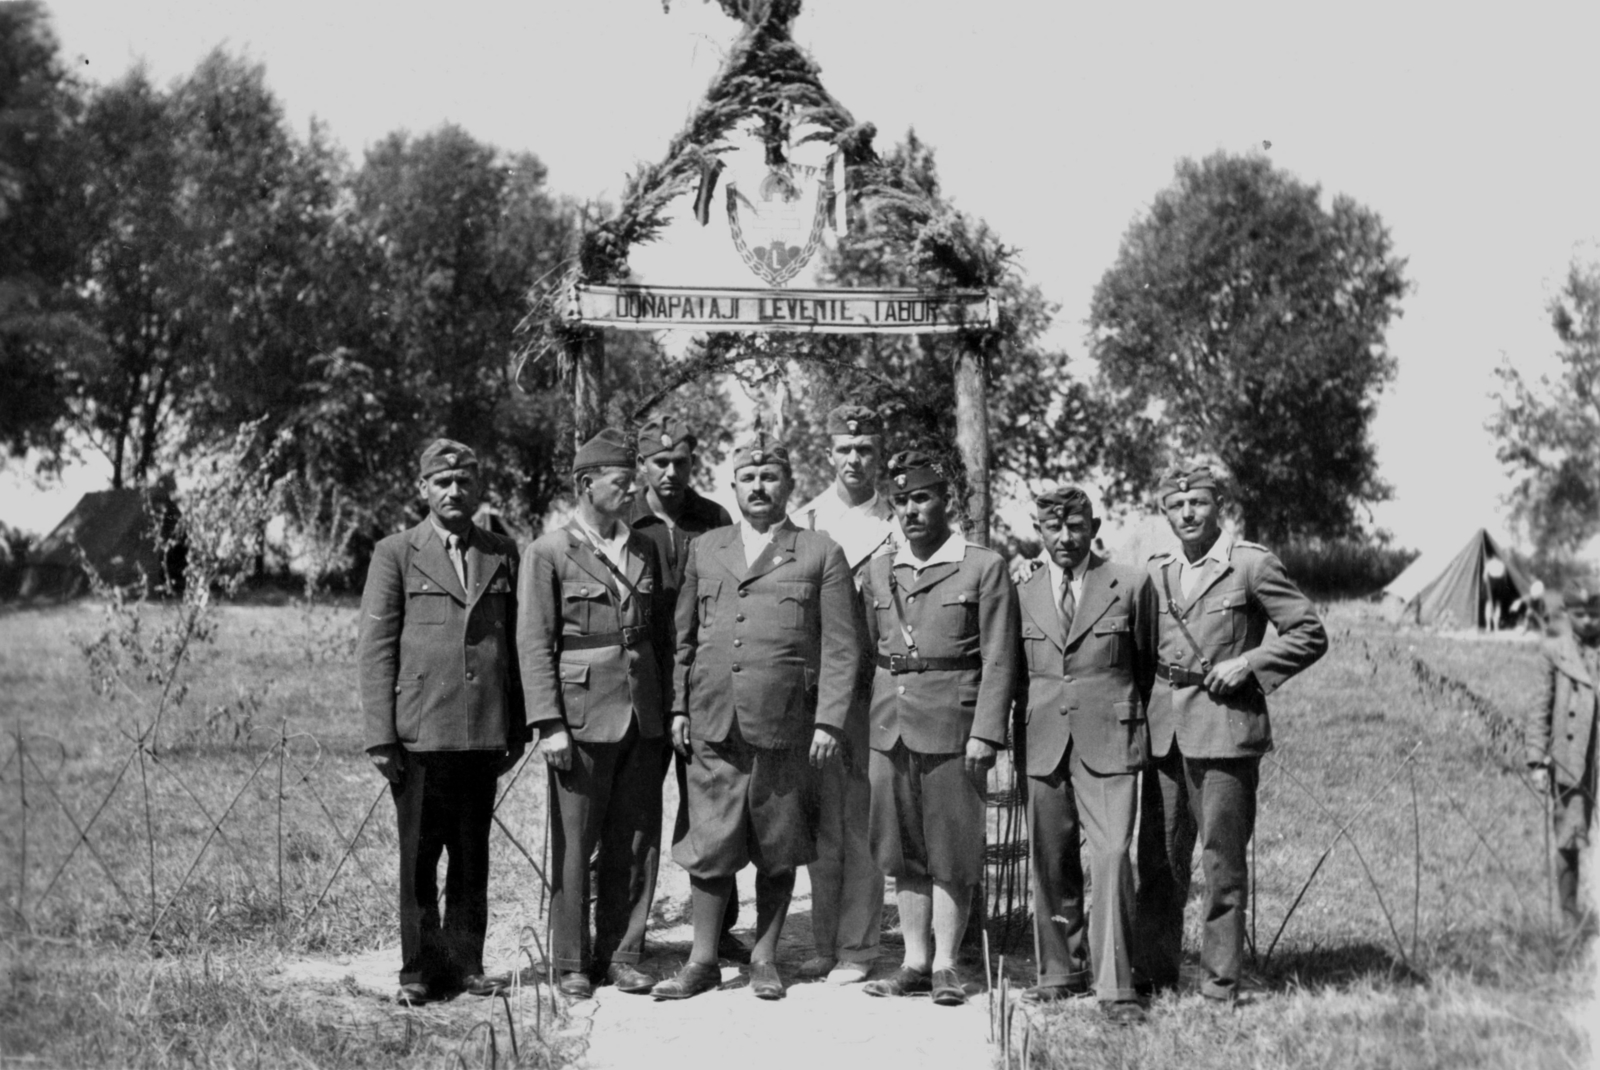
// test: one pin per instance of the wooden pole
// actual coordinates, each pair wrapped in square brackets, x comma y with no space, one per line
[588,406]
[972,431]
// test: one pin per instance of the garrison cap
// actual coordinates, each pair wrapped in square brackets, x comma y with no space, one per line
[850,419]
[760,448]
[912,469]
[1062,502]
[608,449]
[1581,594]
[1185,477]
[662,433]
[445,455]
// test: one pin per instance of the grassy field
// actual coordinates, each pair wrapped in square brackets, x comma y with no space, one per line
[1425,938]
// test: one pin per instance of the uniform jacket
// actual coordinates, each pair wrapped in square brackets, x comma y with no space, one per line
[953,611]
[773,647]
[437,667]
[566,592]
[1560,732]
[1227,614]
[1091,686]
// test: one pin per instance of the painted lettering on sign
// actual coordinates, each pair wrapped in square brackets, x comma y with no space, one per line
[836,311]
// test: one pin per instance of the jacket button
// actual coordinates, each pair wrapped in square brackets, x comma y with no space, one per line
[397,689]
[738,642]
[910,598]
[743,592]
[901,689]
[739,618]
[736,668]
[471,676]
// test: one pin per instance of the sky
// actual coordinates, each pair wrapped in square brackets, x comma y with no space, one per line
[1471,132]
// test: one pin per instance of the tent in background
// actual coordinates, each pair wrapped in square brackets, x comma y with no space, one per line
[113,529]
[1459,591]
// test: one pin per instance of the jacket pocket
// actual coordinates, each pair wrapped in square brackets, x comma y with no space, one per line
[1111,641]
[430,606]
[408,706]
[707,593]
[575,692]
[587,605]
[1135,735]
[1235,602]
[794,600]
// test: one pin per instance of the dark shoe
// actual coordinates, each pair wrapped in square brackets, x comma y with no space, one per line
[1123,1012]
[1053,993]
[729,947]
[479,984]
[575,984]
[764,980]
[693,979]
[628,979]
[902,982]
[416,993]
[947,990]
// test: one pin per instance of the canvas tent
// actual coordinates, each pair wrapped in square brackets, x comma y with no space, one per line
[1478,587]
[113,529]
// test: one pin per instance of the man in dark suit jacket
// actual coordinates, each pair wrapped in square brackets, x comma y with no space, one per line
[1209,728]
[592,643]
[766,661]
[442,705]
[1088,642]
[942,618]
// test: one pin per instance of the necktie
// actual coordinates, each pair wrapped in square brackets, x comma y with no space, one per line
[458,558]
[1069,604]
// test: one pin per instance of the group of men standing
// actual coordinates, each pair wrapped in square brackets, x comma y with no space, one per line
[835,684]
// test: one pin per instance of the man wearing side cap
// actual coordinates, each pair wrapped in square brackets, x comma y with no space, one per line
[593,646]
[1088,642]
[442,705]
[1561,740]
[846,884]
[766,662]
[672,514]
[1209,728]
[942,620]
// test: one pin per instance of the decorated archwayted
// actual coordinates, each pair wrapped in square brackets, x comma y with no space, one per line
[727,237]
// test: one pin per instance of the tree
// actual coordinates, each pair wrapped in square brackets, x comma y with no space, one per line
[1244,322]
[1549,432]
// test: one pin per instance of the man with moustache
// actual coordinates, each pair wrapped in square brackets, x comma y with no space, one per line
[942,620]
[443,711]
[846,884]
[671,513]
[1209,728]
[1088,642]
[766,661]
[593,647]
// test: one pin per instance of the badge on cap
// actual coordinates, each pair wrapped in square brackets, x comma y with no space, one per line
[1183,484]
[900,480]
[852,425]
[449,459]
[666,441]
[757,457]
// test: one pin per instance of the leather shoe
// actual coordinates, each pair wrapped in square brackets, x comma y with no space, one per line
[1052,993]
[480,984]
[764,981]
[731,948]
[693,979]
[416,993]
[947,990]
[575,984]
[628,979]
[1123,1012]
[816,966]
[901,982]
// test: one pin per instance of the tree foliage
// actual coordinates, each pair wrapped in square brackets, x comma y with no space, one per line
[1549,430]
[1245,322]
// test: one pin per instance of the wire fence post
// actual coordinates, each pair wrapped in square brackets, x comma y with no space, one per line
[149,833]
[283,745]
[22,863]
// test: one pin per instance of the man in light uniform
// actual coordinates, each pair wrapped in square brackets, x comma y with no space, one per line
[846,884]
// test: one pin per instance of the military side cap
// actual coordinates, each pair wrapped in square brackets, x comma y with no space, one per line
[854,420]
[444,455]
[1581,595]
[912,469]
[662,433]
[1183,478]
[608,449]
[1062,502]
[760,448]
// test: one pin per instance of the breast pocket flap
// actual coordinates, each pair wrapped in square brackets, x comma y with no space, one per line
[1232,599]
[795,592]
[579,591]
[1032,631]
[1110,625]
[965,596]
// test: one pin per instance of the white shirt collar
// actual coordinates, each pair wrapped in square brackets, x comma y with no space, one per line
[444,534]
[1220,551]
[950,552]
[615,547]
[1056,573]
[754,541]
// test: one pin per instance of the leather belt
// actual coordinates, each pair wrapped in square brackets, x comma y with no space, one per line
[629,636]
[904,663]
[1178,676]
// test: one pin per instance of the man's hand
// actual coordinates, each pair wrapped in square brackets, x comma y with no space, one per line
[824,748]
[979,760]
[1541,778]
[390,760]
[509,762]
[1227,677]
[680,735]
[557,749]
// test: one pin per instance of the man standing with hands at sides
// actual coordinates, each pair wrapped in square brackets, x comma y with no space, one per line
[846,884]
[1088,641]
[766,660]
[1209,728]
[443,711]
[592,644]
[671,513]
[942,620]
